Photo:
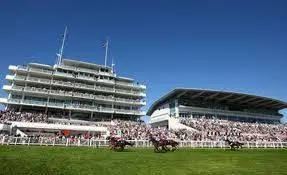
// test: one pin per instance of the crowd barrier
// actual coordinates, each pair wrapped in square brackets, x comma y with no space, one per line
[46,141]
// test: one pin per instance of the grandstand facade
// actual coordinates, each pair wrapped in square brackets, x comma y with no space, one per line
[210,104]
[74,90]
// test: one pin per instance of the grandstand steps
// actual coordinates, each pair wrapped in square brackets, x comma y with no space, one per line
[19,132]
[174,123]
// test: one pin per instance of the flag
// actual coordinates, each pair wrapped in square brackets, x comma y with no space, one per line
[62,36]
[113,64]
[104,43]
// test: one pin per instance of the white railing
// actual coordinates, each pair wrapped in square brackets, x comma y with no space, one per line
[18,77]
[75,94]
[33,79]
[24,68]
[88,70]
[52,141]
[64,74]
[40,70]
[131,84]
[74,106]
[106,73]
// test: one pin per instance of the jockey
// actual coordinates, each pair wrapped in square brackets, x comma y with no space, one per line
[157,138]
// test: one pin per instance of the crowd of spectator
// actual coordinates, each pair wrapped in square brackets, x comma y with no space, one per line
[8,116]
[13,116]
[215,129]
[203,129]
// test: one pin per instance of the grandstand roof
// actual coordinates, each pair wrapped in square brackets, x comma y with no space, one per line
[232,98]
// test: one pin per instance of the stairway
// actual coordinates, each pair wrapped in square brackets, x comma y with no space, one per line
[175,124]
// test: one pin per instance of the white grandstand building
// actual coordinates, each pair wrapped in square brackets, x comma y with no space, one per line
[187,103]
[74,89]
[79,93]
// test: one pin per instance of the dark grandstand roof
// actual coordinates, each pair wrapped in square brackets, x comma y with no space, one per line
[233,98]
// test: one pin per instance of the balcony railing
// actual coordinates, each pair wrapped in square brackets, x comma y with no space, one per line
[77,85]
[64,74]
[85,70]
[88,71]
[32,69]
[86,78]
[13,100]
[67,67]
[123,91]
[63,83]
[85,86]
[106,73]
[18,77]
[23,68]
[104,89]
[106,81]
[40,80]
[131,84]
[34,102]
[75,106]
[75,94]
[19,88]
[55,104]
[33,89]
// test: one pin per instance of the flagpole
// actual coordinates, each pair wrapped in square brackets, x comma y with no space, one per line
[62,47]
[106,55]
[113,65]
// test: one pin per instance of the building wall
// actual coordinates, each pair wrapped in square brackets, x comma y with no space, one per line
[162,113]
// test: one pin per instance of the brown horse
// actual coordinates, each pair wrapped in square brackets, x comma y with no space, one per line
[157,144]
[174,144]
[163,143]
[118,144]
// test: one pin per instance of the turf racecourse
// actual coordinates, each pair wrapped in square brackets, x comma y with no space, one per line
[76,160]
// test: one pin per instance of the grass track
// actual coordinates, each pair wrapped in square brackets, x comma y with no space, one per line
[77,160]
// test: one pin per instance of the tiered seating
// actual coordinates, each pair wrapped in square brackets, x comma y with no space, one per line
[215,129]
[205,129]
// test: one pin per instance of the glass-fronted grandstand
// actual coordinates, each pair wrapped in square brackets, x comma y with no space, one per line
[75,90]
[210,104]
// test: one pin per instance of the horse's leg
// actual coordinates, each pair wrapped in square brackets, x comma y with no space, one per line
[164,148]
[155,149]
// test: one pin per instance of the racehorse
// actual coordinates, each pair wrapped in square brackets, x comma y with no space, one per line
[163,143]
[172,143]
[234,144]
[118,144]
[157,144]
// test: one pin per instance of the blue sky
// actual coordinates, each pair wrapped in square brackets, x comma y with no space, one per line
[223,45]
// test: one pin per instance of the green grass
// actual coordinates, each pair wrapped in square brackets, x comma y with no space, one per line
[76,160]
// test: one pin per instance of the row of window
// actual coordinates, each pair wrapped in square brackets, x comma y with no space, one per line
[225,117]
[73,102]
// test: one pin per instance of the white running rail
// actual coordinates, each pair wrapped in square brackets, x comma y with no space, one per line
[52,141]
